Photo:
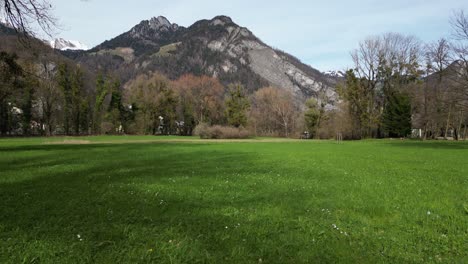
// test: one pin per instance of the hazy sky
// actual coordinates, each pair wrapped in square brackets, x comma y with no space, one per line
[320,33]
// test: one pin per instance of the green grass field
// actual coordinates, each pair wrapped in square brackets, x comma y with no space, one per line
[183,200]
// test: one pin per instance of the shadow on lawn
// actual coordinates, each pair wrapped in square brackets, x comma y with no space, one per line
[122,206]
[430,144]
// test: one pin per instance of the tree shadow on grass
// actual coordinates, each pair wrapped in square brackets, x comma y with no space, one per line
[104,203]
[441,145]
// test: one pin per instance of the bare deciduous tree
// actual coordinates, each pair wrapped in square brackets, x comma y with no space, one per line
[25,15]
[459,23]
[382,64]
[274,112]
[435,96]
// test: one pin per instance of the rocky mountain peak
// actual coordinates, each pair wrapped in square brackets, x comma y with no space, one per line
[161,23]
[221,20]
[153,28]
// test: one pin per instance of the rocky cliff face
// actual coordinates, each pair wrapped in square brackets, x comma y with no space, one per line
[217,47]
[275,66]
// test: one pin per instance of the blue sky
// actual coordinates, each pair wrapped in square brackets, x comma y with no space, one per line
[320,33]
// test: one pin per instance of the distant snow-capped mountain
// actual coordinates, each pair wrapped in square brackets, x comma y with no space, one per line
[336,74]
[63,44]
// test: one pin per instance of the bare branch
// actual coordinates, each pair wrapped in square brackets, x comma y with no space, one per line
[459,22]
[25,15]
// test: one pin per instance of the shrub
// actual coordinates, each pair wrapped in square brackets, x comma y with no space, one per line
[220,132]
[107,128]
[201,130]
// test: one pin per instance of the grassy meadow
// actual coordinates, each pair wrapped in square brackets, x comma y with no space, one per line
[184,200]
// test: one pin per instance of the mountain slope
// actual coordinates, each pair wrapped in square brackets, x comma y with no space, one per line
[217,47]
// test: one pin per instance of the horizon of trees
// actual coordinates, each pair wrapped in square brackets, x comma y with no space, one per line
[399,83]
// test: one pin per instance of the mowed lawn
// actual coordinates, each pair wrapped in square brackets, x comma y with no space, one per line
[183,200]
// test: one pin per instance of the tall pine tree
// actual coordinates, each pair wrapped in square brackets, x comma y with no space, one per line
[237,106]
[396,117]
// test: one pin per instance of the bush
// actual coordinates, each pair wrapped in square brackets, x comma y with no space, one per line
[107,128]
[220,132]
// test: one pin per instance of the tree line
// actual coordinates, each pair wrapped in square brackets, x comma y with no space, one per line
[400,86]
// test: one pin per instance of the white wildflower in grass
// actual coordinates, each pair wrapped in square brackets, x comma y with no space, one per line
[78,236]
[428,212]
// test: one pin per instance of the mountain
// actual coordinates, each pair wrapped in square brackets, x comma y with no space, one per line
[217,47]
[63,44]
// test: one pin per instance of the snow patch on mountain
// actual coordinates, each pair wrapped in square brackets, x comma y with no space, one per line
[63,44]
[336,74]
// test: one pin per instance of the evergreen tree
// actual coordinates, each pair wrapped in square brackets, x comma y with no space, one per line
[359,101]
[188,118]
[71,83]
[237,106]
[77,99]
[101,93]
[397,115]
[312,116]
[167,109]
[65,85]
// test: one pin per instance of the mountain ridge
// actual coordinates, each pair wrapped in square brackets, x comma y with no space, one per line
[216,47]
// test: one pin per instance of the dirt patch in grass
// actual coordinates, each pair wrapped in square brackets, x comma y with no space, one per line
[81,142]
[70,142]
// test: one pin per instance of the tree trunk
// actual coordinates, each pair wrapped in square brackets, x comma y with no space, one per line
[459,128]
[425,113]
[448,122]
[464,133]
[286,129]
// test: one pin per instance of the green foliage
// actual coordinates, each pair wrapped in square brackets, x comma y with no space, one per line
[75,108]
[101,93]
[396,118]
[156,104]
[77,101]
[198,202]
[64,83]
[167,109]
[237,105]
[313,115]
[188,116]
[359,101]
[115,111]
